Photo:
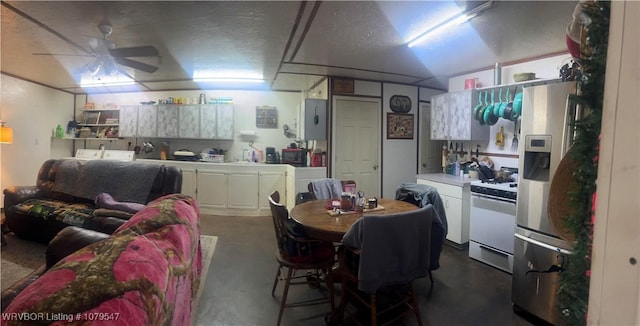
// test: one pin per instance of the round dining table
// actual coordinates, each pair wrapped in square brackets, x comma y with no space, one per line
[319,224]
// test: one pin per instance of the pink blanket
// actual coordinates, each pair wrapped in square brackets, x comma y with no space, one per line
[146,273]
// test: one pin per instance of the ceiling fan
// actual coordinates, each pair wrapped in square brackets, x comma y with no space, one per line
[107,56]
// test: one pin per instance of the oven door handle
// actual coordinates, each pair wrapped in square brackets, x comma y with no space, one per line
[542,244]
[488,197]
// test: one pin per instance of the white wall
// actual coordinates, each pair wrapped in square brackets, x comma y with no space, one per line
[32,111]
[399,155]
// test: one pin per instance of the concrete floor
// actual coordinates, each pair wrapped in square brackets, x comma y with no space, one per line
[238,286]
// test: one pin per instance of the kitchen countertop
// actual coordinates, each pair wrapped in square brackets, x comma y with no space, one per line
[238,163]
[446,178]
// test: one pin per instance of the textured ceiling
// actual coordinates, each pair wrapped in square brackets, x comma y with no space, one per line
[292,44]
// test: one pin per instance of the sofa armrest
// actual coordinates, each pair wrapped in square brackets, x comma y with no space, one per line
[70,240]
[17,194]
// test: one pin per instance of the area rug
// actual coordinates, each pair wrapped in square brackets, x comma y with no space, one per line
[19,258]
[208,244]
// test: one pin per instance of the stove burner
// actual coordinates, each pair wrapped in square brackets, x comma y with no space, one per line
[501,188]
[498,180]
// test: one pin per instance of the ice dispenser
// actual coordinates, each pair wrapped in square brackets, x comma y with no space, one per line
[537,157]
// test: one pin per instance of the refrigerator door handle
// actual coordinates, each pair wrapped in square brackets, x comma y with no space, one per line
[542,244]
[571,116]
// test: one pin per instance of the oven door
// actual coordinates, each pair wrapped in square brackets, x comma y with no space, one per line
[492,223]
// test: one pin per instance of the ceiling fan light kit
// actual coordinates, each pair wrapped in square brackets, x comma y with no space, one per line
[108,58]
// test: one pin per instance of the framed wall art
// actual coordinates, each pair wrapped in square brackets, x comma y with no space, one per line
[400,104]
[266,117]
[345,86]
[399,126]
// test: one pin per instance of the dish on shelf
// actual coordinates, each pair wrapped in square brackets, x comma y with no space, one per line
[524,76]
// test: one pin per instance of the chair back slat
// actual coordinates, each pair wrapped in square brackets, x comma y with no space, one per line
[279,215]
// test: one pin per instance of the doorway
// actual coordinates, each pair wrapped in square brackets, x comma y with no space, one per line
[356,140]
[429,151]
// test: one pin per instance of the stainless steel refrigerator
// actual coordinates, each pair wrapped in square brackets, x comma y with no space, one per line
[539,252]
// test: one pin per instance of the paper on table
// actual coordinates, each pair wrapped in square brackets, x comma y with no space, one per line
[366,210]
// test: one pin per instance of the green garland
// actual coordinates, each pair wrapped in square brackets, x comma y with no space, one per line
[574,280]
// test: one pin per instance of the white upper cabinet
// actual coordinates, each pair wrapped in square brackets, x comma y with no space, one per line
[216,121]
[147,121]
[452,117]
[225,122]
[208,121]
[439,117]
[128,121]
[168,121]
[189,121]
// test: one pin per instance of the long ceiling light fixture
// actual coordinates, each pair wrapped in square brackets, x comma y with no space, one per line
[454,20]
[227,76]
[229,80]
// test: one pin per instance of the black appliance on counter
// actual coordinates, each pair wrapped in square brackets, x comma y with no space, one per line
[272,157]
[185,155]
[294,156]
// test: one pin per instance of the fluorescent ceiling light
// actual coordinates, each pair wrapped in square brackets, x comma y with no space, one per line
[454,20]
[228,76]
[229,80]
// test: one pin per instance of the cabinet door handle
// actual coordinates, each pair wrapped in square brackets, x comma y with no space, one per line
[446,203]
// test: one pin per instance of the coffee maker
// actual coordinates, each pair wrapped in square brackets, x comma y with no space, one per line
[271,156]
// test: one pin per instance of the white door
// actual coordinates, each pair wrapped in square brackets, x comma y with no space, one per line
[356,142]
[430,151]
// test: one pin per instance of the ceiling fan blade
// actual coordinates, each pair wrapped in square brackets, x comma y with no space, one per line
[135,51]
[136,65]
[64,54]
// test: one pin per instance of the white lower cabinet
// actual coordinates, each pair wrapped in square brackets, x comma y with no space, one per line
[189,182]
[270,182]
[242,190]
[234,189]
[211,188]
[224,189]
[456,200]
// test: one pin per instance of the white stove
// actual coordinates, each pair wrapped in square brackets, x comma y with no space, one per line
[492,222]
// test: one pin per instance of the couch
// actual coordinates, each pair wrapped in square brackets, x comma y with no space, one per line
[66,190]
[146,273]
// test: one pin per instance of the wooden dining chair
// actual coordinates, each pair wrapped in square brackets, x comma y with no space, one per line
[380,257]
[297,253]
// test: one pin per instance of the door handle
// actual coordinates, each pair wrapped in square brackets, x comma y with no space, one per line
[375,167]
